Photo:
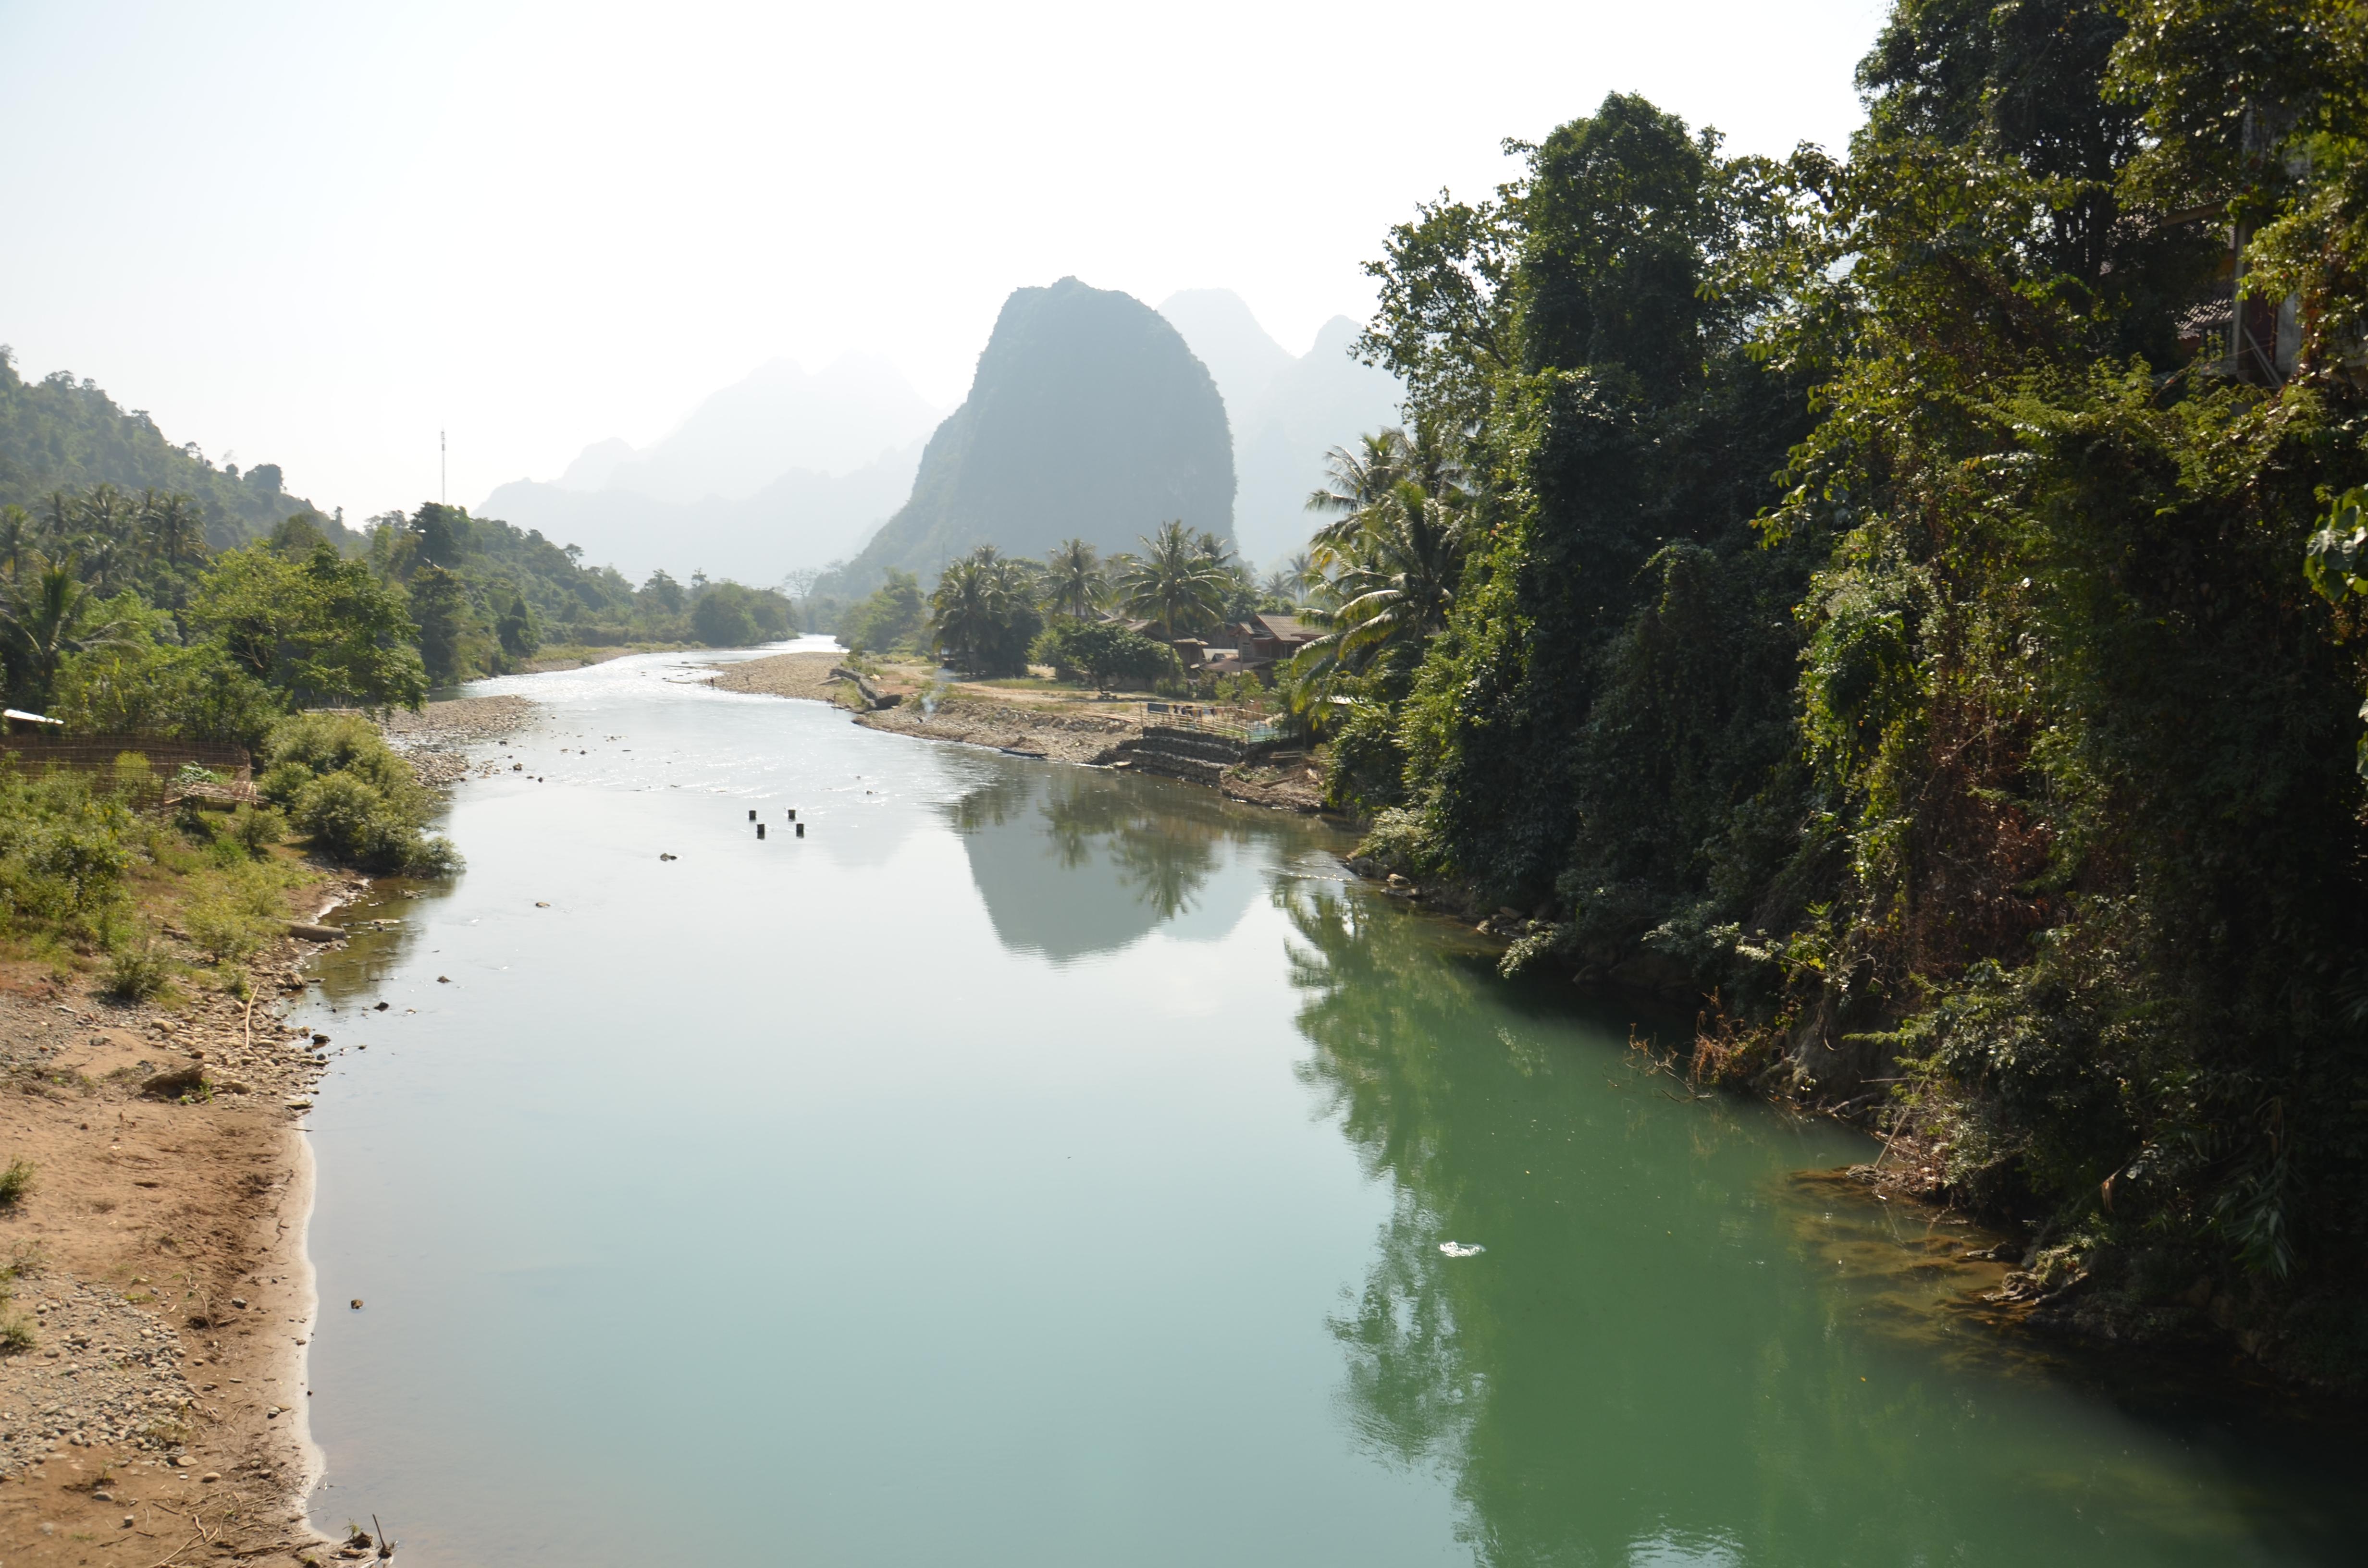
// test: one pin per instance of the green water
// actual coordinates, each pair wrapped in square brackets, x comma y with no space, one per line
[1041,1166]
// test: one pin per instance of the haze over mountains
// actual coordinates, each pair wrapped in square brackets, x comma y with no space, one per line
[783,469]
[1091,415]
[1286,413]
[1088,417]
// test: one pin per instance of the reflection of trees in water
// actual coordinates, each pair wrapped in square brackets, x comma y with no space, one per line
[1163,848]
[1631,1372]
[1377,1001]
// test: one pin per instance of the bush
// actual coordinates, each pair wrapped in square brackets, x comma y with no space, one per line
[1107,654]
[62,852]
[16,1182]
[139,971]
[345,790]
[233,913]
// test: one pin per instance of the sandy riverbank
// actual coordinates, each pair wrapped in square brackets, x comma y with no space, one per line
[159,1270]
[1056,727]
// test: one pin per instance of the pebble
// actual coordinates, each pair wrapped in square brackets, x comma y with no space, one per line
[122,1385]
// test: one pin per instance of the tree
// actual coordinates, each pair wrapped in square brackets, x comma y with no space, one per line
[322,630]
[516,629]
[1176,585]
[440,607]
[894,613]
[728,614]
[1107,654]
[47,615]
[983,614]
[1074,582]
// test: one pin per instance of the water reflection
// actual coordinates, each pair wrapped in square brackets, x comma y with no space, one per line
[1658,1360]
[1071,863]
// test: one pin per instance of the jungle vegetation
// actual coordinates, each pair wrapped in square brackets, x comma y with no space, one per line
[990,614]
[1915,601]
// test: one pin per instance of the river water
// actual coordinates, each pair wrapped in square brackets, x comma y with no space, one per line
[1038,1165]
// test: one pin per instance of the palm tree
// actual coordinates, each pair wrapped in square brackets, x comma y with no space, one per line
[1074,582]
[1395,588]
[175,532]
[1369,477]
[1176,586]
[45,619]
[983,612]
[17,536]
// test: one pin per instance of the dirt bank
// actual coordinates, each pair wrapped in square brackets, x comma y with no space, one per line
[160,1295]
[1058,734]
[805,676]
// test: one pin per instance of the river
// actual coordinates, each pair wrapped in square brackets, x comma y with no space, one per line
[1040,1166]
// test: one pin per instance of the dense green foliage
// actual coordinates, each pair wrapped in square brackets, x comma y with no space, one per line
[1106,652]
[1888,605]
[339,782]
[60,436]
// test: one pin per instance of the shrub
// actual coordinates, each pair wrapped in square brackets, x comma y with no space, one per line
[16,1182]
[138,971]
[1107,654]
[352,796]
[234,912]
[62,852]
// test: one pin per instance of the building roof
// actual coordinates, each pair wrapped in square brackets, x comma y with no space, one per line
[1286,627]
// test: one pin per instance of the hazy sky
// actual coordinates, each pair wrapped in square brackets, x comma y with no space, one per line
[314,234]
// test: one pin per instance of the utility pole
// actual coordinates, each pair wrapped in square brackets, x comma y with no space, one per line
[443,471]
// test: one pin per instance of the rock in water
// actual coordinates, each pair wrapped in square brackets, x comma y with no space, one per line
[1088,417]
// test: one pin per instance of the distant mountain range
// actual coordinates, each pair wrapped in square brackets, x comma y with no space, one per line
[1286,413]
[1088,417]
[781,470]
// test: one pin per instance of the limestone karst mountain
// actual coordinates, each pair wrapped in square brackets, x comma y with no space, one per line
[781,470]
[1088,417]
[1285,413]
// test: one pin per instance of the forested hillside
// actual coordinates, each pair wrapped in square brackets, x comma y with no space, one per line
[1910,601]
[58,435]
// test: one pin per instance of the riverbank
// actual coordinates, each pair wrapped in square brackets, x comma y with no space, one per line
[155,1293]
[1053,726]
[159,1297]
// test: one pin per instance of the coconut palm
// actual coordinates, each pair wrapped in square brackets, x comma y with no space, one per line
[173,530]
[45,615]
[1073,582]
[1396,588]
[1176,585]
[1367,478]
[983,613]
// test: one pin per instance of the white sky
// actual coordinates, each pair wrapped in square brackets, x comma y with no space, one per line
[314,233]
